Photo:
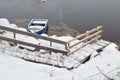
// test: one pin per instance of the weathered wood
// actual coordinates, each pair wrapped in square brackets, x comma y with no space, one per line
[77,37]
[32,35]
[33,45]
[86,34]
[94,39]
[95,29]
[87,38]
[37,59]
[100,49]
[89,42]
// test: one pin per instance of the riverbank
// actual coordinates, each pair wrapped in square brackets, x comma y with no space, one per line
[118,44]
[103,63]
[59,30]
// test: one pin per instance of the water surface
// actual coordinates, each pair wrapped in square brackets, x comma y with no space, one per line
[81,15]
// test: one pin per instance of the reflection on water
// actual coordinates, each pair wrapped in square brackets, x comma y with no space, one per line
[79,14]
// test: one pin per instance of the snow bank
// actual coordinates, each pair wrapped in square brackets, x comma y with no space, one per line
[6,23]
[26,38]
[18,69]
[108,60]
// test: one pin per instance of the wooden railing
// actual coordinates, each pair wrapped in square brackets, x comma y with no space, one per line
[35,36]
[88,37]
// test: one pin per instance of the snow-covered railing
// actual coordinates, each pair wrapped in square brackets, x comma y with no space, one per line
[35,36]
[87,37]
[33,45]
[32,35]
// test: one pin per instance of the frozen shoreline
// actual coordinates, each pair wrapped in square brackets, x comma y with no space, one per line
[108,61]
[60,30]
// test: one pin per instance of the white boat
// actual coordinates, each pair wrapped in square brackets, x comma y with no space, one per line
[38,26]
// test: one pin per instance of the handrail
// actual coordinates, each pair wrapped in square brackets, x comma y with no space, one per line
[84,34]
[33,45]
[86,38]
[34,35]
[91,41]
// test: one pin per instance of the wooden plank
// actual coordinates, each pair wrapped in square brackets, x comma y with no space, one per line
[38,59]
[89,42]
[98,43]
[104,42]
[95,29]
[79,36]
[33,45]
[84,34]
[94,39]
[32,35]
[86,38]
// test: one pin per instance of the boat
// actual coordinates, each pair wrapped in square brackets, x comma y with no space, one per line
[38,26]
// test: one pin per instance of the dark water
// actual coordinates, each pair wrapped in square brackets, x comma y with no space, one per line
[81,15]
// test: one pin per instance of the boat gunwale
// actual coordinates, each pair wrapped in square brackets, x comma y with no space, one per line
[40,31]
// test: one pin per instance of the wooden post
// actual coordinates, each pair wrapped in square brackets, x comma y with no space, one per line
[66,46]
[57,60]
[50,43]
[14,35]
[98,29]
[50,46]
[87,34]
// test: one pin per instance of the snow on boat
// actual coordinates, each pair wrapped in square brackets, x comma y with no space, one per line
[38,26]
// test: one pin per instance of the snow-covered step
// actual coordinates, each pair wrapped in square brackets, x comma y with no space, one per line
[95,46]
[77,56]
[57,60]
[73,49]
[101,44]
[81,55]
[88,49]
[104,41]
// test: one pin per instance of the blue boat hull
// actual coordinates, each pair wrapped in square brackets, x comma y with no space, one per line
[42,31]
[43,22]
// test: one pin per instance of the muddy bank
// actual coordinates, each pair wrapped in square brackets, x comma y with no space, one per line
[118,44]
[59,30]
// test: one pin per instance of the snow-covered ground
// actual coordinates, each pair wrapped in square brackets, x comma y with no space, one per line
[107,62]
[12,68]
